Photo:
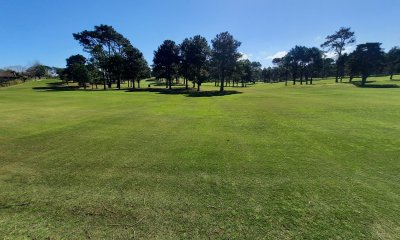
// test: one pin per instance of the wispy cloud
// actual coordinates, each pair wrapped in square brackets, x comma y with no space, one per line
[279,54]
[246,56]
[333,55]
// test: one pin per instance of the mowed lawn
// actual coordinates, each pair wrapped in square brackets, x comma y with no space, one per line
[269,162]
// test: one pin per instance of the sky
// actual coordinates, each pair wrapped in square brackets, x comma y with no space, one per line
[42,30]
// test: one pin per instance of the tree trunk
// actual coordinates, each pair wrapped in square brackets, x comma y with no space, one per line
[337,73]
[363,81]
[221,87]
[187,83]
[391,76]
[119,82]
[109,82]
[198,87]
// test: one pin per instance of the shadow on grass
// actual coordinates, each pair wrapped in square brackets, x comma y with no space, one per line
[184,91]
[55,86]
[369,85]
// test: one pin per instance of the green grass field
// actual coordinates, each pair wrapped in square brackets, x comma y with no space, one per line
[268,162]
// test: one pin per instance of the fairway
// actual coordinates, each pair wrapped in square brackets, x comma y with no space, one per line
[263,162]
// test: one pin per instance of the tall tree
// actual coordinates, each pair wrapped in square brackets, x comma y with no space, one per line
[315,63]
[225,55]
[368,58]
[298,59]
[166,58]
[195,56]
[338,42]
[186,58]
[256,70]
[106,46]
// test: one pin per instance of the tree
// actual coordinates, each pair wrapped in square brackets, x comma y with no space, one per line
[351,66]
[315,63]
[36,71]
[393,61]
[166,59]
[297,59]
[337,42]
[186,64]
[144,71]
[266,74]
[133,64]
[77,70]
[94,74]
[367,59]
[106,47]
[256,71]
[225,55]
[341,64]
[195,56]
[243,72]
[328,67]
[282,68]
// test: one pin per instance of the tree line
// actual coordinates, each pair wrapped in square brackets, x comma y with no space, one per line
[114,60]
[302,64]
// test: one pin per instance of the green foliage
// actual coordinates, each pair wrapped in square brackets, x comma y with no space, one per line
[77,70]
[367,59]
[106,47]
[225,55]
[166,61]
[36,71]
[337,42]
[393,61]
[195,57]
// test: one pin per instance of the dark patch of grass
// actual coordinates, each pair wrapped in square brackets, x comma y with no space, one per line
[369,85]
[185,92]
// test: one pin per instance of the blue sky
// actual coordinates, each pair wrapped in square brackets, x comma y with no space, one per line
[42,30]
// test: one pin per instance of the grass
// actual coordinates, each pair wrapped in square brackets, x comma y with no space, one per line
[265,162]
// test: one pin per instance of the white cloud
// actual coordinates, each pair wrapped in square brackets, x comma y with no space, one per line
[333,55]
[279,54]
[318,39]
[330,55]
[246,56]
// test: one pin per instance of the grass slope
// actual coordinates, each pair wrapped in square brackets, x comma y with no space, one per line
[274,162]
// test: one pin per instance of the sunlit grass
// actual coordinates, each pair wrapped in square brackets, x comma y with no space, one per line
[266,161]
